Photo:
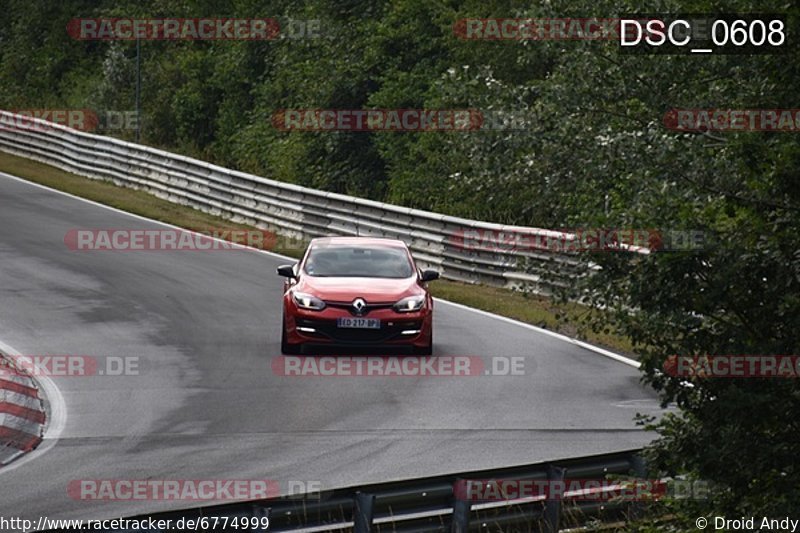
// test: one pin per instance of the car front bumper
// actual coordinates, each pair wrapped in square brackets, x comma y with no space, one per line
[313,328]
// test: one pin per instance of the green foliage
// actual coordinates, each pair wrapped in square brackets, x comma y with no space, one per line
[590,150]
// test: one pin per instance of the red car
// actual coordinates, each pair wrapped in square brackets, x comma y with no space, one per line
[357,292]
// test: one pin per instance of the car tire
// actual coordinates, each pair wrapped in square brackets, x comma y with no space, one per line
[424,350]
[286,348]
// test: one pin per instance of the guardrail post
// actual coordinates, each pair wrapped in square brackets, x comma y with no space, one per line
[461,508]
[638,466]
[362,514]
[636,508]
[552,507]
[261,512]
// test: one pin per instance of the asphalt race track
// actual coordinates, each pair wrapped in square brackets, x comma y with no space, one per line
[207,405]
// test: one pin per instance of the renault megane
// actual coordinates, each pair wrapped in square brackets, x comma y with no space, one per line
[357,292]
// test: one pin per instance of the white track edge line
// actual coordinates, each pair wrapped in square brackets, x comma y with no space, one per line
[602,351]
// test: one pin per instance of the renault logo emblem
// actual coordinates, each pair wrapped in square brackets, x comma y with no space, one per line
[359,305]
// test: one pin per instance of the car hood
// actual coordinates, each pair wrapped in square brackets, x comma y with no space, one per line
[373,290]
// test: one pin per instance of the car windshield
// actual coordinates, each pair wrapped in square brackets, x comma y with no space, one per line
[358,261]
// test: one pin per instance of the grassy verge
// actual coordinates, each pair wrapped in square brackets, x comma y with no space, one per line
[130,200]
[531,309]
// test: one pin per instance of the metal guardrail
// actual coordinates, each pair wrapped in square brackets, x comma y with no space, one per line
[432,505]
[454,246]
[437,240]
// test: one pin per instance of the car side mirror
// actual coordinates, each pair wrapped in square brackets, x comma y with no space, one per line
[429,275]
[287,271]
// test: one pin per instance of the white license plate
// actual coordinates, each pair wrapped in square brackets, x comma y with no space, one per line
[360,323]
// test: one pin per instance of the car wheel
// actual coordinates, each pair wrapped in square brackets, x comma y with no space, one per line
[424,350]
[288,349]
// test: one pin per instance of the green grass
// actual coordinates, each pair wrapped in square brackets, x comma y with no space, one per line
[531,309]
[130,200]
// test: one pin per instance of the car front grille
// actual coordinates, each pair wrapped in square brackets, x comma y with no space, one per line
[367,309]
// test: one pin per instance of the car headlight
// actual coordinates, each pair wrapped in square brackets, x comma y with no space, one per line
[409,304]
[308,301]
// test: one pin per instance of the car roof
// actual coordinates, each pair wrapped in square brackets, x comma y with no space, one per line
[361,241]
